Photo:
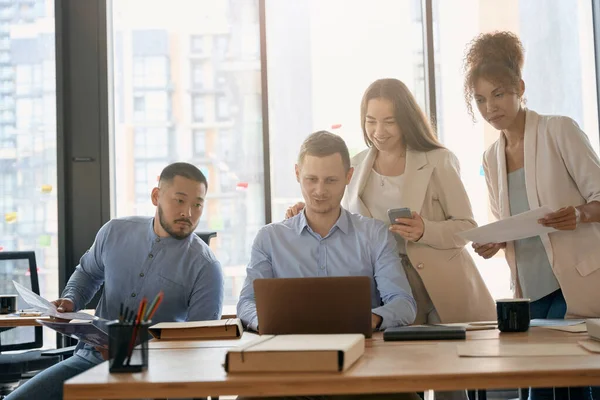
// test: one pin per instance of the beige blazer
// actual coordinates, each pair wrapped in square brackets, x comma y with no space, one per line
[433,188]
[561,169]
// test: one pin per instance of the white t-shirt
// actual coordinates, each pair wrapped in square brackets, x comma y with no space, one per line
[382,193]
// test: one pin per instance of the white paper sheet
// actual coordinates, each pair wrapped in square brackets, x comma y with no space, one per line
[517,227]
[556,322]
[42,305]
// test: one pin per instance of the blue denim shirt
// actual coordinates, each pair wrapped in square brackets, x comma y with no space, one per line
[133,262]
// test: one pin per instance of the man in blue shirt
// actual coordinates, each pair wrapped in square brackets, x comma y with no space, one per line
[137,257]
[326,240]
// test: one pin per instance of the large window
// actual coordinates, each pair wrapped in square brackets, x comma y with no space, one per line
[161,117]
[320,61]
[28,173]
[187,87]
[559,77]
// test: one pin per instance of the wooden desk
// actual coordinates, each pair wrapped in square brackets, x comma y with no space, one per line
[386,367]
[12,321]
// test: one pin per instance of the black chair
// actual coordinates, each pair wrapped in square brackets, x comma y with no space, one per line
[17,366]
[206,236]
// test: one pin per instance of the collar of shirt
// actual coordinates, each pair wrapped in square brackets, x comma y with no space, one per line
[342,223]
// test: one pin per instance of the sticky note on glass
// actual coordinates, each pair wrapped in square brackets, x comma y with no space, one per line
[46,188]
[10,217]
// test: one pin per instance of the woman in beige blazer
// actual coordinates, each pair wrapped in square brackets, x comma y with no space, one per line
[405,166]
[556,166]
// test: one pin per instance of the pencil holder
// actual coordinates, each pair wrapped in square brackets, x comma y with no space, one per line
[128,346]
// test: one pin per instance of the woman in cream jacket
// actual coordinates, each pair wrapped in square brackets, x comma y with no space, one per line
[538,161]
[405,166]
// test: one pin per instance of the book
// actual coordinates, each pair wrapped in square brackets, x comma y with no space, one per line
[94,333]
[425,333]
[297,353]
[195,330]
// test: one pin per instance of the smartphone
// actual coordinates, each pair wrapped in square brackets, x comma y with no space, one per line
[394,213]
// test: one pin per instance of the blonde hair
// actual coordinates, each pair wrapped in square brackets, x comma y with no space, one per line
[497,57]
[417,132]
[322,144]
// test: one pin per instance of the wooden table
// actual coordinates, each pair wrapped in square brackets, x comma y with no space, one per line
[12,321]
[185,370]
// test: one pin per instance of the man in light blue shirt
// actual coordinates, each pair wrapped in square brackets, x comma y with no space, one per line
[137,257]
[326,240]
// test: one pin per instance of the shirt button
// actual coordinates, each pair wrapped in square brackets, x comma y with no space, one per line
[133,294]
[150,255]
[322,267]
[142,274]
[420,266]
[158,239]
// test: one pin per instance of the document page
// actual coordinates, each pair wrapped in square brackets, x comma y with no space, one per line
[42,305]
[517,227]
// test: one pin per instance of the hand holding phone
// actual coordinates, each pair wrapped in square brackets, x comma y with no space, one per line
[395,213]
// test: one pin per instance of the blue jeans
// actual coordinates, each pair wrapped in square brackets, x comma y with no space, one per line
[554,306]
[48,384]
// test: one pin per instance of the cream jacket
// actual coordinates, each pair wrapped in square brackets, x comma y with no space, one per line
[561,169]
[433,188]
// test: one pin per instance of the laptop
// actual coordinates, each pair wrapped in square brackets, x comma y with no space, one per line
[314,305]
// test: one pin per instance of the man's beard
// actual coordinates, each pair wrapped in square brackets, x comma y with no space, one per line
[169,228]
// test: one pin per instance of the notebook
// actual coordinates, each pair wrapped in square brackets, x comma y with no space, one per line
[196,330]
[297,353]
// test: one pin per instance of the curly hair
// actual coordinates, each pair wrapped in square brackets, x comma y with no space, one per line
[497,57]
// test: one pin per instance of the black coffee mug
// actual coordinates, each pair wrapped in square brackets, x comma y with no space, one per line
[8,303]
[513,315]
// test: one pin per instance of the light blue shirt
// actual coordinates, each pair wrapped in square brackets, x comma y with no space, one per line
[355,246]
[133,262]
[535,273]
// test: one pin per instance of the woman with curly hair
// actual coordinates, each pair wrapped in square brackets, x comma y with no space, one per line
[538,160]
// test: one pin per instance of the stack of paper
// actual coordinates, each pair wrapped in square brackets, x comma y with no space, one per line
[564,325]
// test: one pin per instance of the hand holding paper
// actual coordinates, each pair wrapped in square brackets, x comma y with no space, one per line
[517,227]
[42,305]
[488,250]
[564,219]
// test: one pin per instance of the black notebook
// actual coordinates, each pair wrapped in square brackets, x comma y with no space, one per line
[425,333]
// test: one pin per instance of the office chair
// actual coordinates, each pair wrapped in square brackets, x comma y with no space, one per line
[14,367]
[206,236]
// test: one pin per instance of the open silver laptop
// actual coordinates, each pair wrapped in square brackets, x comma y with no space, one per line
[314,305]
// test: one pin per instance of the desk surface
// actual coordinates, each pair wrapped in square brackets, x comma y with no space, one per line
[11,320]
[386,367]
